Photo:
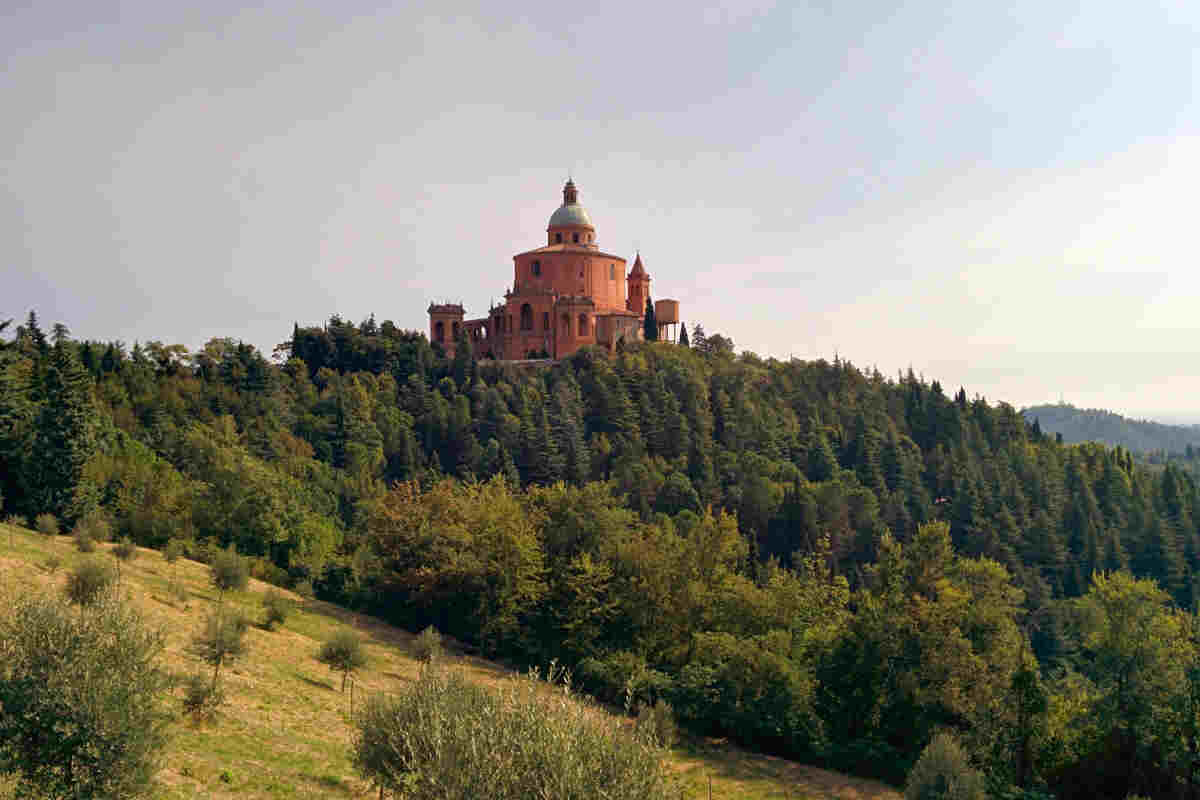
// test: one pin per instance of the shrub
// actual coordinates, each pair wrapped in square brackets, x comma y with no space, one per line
[179,593]
[943,772]
[305,589]
[201,697]
[89,684]
[658,721]
[125,550]
[220,641]
[343,652]
[17,521]
[228,571]
[439,738]
[172,551]
[267,572]
[276,609]
[53,562]
[47,524]
[94,526]
[427,646]
[90,581]
[84,543]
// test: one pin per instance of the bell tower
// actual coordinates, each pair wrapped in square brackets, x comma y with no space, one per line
[638,283]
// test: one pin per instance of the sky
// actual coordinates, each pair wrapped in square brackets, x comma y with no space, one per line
[1001,196]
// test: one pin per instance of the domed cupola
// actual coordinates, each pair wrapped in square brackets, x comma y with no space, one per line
[570,224]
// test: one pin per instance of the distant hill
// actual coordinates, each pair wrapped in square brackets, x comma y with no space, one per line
[1098,425]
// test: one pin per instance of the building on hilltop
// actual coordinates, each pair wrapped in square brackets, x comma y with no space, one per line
[565,295]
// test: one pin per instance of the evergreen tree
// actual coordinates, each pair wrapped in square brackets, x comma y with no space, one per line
[683,335]
[649,325]
[463,365]
[822,464]
[65,438]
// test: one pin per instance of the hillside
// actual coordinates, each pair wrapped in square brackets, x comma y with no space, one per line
[808,559]
[285,731]
[1097,425]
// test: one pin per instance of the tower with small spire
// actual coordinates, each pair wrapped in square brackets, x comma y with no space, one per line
[638,286]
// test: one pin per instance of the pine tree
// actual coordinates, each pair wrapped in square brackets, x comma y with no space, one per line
[822,464]
[64,437]
[463,365]
[683,337]
[649,324]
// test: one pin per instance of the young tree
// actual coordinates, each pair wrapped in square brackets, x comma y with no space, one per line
[171,554]
[276,608]
[649,324]
[229,572]
[343,652]
[223,639]
[81,699]
[122,551]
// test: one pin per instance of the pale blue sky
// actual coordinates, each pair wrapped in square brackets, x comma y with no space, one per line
[1002,198]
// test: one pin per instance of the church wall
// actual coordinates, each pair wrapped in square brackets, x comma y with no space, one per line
[574,273]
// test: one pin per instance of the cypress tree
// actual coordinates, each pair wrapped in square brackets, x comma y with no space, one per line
[649,324]
[683,337]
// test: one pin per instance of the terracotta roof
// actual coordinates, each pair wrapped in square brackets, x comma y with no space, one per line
[638,269]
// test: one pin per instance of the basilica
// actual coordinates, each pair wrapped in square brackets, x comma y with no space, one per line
[564,295]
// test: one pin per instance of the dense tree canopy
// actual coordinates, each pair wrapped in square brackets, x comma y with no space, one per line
[814,559]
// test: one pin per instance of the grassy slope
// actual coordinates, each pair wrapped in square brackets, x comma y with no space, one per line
[285,731]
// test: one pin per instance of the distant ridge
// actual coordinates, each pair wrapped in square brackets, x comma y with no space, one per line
[1098,425]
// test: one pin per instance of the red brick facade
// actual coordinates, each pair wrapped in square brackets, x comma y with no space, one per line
[565,295]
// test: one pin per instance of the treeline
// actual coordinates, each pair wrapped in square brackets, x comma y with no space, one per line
[815,559]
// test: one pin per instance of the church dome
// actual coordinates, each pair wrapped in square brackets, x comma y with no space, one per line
[570,213]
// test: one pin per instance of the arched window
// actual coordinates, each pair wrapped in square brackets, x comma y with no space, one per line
[545,320]
[583,325]
[454,331]
[612,272]
[439,331]
[576,238]
[526,317]
[537,268]
[499,325]
[566,324]
[558,237]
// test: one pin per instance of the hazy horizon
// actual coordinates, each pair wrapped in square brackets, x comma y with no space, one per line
[995,197]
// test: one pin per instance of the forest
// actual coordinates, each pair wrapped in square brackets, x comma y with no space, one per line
[812,559]
[1096,425]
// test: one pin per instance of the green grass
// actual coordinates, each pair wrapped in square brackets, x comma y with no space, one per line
[285,730]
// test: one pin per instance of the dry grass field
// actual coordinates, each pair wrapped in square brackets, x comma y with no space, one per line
[285,730]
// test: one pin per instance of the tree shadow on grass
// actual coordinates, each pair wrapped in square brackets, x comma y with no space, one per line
[315,683]
[329,782]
